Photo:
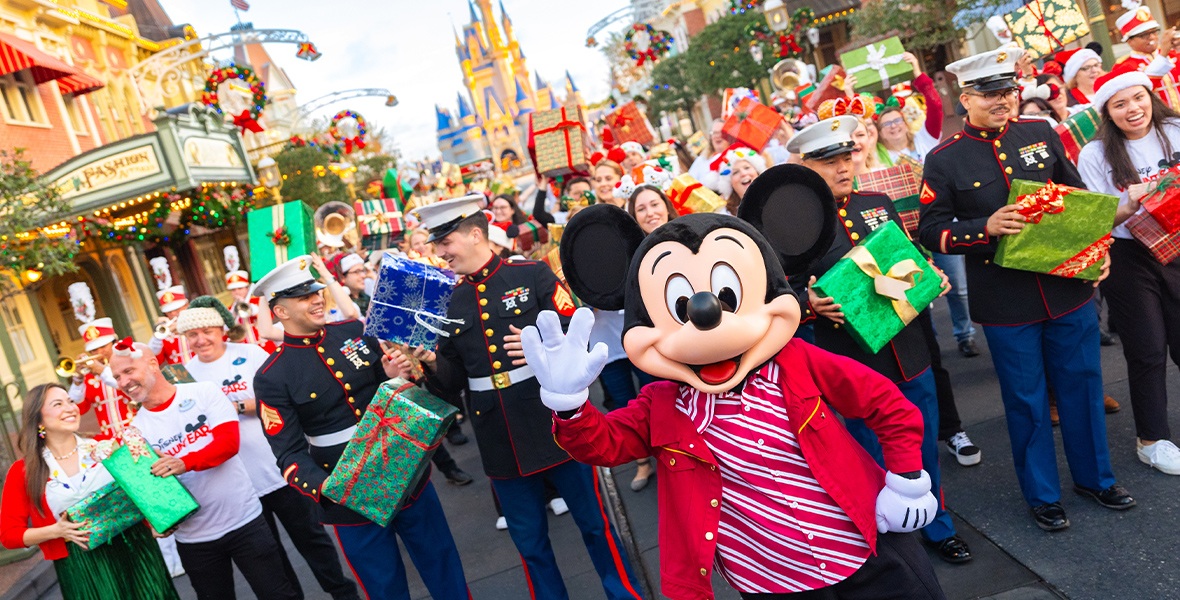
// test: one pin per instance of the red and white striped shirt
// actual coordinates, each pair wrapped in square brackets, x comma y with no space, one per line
[780,532]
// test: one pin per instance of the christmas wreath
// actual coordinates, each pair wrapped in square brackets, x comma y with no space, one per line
[248,119]
[280,237]
[356,142]
[659,43]
[786,44]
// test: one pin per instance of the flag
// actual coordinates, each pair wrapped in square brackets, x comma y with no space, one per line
[240,5]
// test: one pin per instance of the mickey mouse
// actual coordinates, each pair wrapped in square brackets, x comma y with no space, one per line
[757,475]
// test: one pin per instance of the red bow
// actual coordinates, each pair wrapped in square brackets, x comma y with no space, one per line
[352,143]
[1047,200]
[385,424]
[125,344]
[246,121]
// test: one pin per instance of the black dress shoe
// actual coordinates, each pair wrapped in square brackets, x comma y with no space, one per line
[968,348]
[1105,338]
[1050,517]
[456,437]
[458,476]
[1113,497]
[953,550]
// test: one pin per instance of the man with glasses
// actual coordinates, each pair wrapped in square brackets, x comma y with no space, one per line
[352,276]
[1040,328]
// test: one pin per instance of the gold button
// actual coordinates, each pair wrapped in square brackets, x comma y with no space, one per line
[976,184]
[848,223]
[296,480]
[712,467]
[1003,156]
[484,316]
[712,503]
[708,535]
[704,573]
[351,399]
[997,143]
[326,466]
[986,262]
[313,394]
[348,386]
[487,332]
[672,462]
[358,413]
[485,271]
[307,341]
[331,361]
[496,365]
[983,133]
[483,301]
[981,236]
[954,238]
[339,374]
[1008,170]
[843,213]
[305,485]
[321,350]
[855,236]
[482,287]
[835,326]
[492,348]
[517,311]
[1040,165]
[478,413]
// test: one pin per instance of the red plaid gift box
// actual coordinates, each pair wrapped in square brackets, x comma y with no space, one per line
[902,184]
[375,217]
[1164,246]
[829,88]
[627,124]
[1164,201]
[752,123]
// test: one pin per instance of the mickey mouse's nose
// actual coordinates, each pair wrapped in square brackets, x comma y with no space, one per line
[704,310]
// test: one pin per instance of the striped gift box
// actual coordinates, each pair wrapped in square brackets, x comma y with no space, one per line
[902,184]
[1163,246]
[1076,131]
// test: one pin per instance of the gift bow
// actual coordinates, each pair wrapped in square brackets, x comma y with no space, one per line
[378,222]
[353,143]
[136,445]
[902,276]
[1047,200]
[877,61]
[386,423]
[246,121]
[679,197]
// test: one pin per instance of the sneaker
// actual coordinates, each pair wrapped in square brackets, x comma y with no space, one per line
[968,348]
[1162,455]
[502,524]
[457,476]
[557,505]
[965,452]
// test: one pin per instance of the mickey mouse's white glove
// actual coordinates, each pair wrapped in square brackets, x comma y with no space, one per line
[905,505]
[561,363]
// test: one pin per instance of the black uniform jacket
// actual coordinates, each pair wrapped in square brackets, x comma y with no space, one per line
[906,355]
[313,386]
[512,427]
[967,179]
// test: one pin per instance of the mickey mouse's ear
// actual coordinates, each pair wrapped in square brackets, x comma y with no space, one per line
[596,250]
[792,206]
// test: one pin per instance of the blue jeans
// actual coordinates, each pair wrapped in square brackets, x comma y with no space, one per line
[956,299]
[1066,349]
[919,391]
[371,550]
[616,378]
[523,501]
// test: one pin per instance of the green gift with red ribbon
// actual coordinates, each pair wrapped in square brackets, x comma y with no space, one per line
[107,512]
[1067,232]
[390,451]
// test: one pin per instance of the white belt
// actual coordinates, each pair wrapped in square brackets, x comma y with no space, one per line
[500,381]
[331,439]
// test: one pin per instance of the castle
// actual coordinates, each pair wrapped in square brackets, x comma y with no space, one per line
[494,124]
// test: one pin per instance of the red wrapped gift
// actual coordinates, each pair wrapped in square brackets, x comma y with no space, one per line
[376,217]
[558,142]
[829,88]
[752,123]
[627,124]
[1164,201]
[1164,246]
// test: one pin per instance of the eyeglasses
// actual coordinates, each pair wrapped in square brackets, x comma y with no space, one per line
[996,96]
[1091,67]
[892,123]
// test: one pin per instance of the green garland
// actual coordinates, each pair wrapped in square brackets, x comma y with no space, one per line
[211,207]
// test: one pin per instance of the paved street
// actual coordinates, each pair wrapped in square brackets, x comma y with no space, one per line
[1103,555]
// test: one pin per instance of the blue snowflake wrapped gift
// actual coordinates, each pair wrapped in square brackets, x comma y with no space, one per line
[409,305]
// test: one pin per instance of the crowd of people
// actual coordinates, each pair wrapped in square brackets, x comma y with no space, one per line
[278,381]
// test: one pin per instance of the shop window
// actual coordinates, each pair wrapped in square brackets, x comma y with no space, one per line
[74,109]
[213,264]
[16,332]
[22,103]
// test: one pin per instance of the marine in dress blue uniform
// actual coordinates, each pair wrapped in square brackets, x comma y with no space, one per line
[1039,327]
[905,360]
[311,394]
[512,427]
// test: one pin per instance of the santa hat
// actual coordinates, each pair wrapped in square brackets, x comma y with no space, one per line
[204,311]
[617,154]
[903,90]
[235,280]
[171,298]
[1073,61]
[635,147]
[596,158]
[348,261]
[1136,20]
[97,333]
[1122,77]
[732,156]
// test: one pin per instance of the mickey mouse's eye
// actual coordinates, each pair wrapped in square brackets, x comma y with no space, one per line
[677,293]
[726,286]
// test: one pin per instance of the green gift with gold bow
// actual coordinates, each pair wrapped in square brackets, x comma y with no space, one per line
[1067,232]
[881,285]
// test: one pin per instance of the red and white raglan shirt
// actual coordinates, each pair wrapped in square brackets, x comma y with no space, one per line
[111,407]
[200,426]
[172,350]
[234,374]
[251,325]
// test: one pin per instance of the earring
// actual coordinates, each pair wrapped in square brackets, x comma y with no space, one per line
[41,431]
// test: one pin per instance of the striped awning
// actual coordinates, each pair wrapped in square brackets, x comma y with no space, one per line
[78,84]
[18,55]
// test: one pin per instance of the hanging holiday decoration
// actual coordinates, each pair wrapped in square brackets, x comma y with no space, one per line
[350,129]
[307,51]
[82,301]
[248,117]
[162,272]
[659,43]
[325,146]
[795,43]
[209,206]
[280,236]
[233,260]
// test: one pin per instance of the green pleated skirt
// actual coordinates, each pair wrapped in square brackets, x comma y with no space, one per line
[129,567]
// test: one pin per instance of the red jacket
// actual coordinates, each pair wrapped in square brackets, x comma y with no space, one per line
[688,478]
[17,515]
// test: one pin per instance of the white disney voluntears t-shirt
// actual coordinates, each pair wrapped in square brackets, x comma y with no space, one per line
[1147,155]
[185,425]
[234,374]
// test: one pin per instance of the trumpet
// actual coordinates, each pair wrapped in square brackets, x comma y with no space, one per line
[66,367]
[163,328]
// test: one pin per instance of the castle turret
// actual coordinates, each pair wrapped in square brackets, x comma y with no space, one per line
[444,118]
[489,25]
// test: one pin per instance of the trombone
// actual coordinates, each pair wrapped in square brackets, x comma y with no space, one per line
[66,367]
[163,328]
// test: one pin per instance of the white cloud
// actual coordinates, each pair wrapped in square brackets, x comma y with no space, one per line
[408,47]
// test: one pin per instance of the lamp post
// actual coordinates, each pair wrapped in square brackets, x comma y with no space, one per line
[269,176]
[776,15]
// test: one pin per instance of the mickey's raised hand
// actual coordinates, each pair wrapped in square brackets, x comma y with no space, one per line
[560,361]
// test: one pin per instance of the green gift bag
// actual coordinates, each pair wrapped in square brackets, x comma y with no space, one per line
[107,512]
[1067,233]
[163,500]
[881,285]
[279,233]
[390,451]
[878,66]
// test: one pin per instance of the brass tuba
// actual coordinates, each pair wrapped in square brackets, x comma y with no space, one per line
[788,74]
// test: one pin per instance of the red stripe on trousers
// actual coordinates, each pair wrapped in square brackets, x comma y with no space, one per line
[610,540]
[349,563]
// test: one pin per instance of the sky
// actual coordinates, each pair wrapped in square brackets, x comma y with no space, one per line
[408,47]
